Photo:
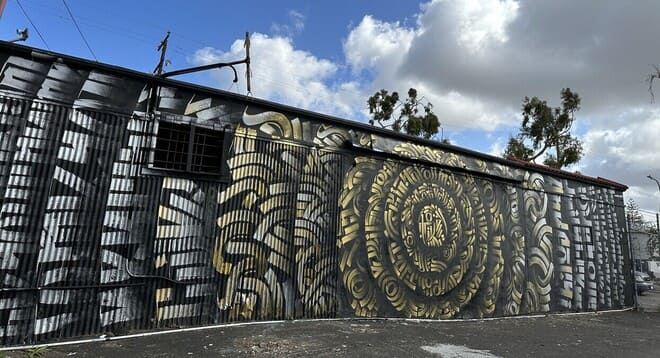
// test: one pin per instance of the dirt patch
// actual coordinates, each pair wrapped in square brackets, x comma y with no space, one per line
[275,346]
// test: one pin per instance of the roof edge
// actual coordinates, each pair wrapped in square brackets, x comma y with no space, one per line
[569,175]
[37,53]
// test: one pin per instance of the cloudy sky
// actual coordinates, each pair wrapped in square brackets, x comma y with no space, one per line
[474,60]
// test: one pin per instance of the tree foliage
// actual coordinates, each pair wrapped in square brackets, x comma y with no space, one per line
[413,115]
[635,218]
[546,130]
[638,224]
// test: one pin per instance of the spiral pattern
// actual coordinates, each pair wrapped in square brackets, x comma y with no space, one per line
[420,240]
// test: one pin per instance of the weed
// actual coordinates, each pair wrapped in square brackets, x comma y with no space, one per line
[37,352]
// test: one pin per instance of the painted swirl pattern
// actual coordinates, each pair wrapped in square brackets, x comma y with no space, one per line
[94,238]
[426,242]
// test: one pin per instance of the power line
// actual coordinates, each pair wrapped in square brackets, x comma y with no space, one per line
[179,50]
[80,32]
[650,212]
[183,51]
[94,22]
[32,23]
[98,24]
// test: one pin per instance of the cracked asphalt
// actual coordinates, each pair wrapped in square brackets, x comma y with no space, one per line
[608,334]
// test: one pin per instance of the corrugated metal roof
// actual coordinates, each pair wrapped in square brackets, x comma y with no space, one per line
[567,174]
[150,78]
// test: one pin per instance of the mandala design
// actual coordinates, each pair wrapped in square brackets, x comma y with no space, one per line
[418,239]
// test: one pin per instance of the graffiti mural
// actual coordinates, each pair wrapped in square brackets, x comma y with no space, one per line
[426,242]
[314,217]
[276,247]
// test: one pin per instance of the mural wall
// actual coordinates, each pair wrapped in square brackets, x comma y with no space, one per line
[317,219]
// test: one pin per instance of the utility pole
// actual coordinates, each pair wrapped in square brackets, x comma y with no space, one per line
[632,261]
[657,215]
[248,73]
[655,180]
[163,49]
[22,35]
[657,220]
[231,65]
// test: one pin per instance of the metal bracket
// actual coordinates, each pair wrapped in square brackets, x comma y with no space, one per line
[231,65]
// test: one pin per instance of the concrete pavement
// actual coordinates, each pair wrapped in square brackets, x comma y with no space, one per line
[650,301]
[614,334]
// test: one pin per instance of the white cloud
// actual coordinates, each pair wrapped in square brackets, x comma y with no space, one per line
[377,44]
[297,19]
[482,22]
[625,147]
[634,145]
[383,48]
[476,60]
[284,74]
[299,78]
[458,111]
[296,25]
[497,148]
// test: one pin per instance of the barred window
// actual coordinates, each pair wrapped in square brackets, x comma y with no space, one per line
[188,148]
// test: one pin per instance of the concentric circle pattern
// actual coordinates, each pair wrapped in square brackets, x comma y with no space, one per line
[419,240]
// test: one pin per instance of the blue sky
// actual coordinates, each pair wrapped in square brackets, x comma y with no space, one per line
[125,32]
[473,59]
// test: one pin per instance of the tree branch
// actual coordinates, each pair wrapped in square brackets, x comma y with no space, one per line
[545,146]
[650,79]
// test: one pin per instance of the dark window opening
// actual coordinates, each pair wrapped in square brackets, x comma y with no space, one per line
[183,147]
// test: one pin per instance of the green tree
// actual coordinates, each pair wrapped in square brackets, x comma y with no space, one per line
[638,224]
[413,115]
[547,130]
[635,218]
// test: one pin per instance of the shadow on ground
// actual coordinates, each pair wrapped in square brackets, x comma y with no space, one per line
[615,334]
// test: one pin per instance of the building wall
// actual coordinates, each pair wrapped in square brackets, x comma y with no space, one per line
[94,240]
[639,241]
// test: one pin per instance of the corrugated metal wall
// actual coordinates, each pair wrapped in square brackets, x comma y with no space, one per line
[276,250]
[93,239]
[92,243]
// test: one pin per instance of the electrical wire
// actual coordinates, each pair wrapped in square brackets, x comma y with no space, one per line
[178,50]
[79,31]
[123,32]
[280,83]
[182,50]
[647,212]
[113,28]
[32,23]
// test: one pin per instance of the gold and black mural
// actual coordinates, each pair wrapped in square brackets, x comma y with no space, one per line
[422,241]
[315,217]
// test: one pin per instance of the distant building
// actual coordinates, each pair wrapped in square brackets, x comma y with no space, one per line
[639,241]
